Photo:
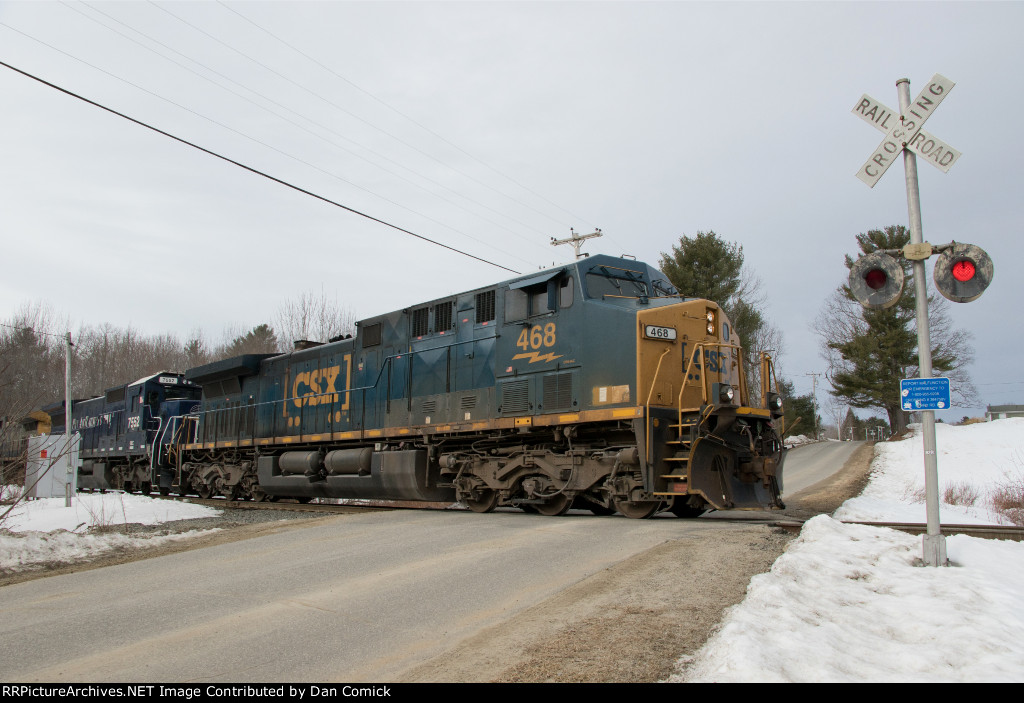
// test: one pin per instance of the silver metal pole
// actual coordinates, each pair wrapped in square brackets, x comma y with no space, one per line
[933,542]
[68,433]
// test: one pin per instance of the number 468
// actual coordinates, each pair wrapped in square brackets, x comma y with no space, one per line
[537,337]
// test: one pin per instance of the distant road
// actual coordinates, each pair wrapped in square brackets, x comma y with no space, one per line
[810,463]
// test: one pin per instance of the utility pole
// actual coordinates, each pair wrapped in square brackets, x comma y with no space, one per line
[68,432]
[814,396]
[576,240]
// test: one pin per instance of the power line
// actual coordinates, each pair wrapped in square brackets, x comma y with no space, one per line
[253,170]
[257,141]
[315,134]
[342,109]
[402,114]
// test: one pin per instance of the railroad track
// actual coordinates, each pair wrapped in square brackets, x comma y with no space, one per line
[295,506]
[790,524]
[916,528]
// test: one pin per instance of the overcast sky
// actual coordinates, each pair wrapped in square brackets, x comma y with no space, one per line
[490,127]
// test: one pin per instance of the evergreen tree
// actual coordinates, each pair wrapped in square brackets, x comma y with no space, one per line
[799,411]
[260,340]
[706,266]
[870,351]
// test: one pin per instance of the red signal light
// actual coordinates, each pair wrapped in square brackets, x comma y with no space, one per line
[963,270]
[875,278]
[876,281]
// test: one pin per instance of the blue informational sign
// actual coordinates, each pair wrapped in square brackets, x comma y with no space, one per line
[924,394]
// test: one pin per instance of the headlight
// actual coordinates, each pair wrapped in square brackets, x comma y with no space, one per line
[726,393]
[775,402]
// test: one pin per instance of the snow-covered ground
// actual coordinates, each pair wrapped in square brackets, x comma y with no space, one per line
[976,457]
[853,603]
[797,440]
[45,531]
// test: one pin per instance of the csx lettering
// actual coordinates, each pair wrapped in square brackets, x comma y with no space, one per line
[316,387]
[714,361]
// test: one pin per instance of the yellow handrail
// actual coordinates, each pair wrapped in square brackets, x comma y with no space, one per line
[647,405]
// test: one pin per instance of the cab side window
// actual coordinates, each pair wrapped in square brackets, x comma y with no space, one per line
[538,299]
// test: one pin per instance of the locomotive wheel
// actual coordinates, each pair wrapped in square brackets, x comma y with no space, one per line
[486,503]
[555,505]
[204,492]
[146,488]
[258,496]
[303,500]
[637,509]
[163,490]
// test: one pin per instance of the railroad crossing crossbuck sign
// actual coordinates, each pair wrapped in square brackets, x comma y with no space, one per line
[876,280]
[962,271]
[904,132]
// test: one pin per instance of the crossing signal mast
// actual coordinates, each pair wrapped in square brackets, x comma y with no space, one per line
[962,271]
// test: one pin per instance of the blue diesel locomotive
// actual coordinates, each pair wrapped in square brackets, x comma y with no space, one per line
[591,384]
[126,432]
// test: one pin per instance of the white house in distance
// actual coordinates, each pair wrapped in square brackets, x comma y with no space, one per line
[998,412]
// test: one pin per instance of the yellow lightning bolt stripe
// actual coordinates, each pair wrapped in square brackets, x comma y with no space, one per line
[537,356]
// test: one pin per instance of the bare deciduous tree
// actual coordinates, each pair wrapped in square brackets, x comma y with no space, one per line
[312,316]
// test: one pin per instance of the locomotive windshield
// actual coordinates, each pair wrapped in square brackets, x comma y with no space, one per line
[616,282]
[663,287]
[182,393]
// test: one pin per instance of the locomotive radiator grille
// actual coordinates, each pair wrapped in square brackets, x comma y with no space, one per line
[557,393]
[516,397]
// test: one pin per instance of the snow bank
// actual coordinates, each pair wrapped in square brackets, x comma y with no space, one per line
[852,603]
[31,549]
[797,440]
[99,509]
[978,456]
